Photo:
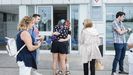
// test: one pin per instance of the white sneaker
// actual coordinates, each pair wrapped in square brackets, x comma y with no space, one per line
[36,73]
[113,73]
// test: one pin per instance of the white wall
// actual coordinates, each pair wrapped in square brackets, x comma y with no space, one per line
[83,9]
[36,1]
[0,2]
[119,1]
[43,1]
[26,1]
[3,2]
[79,1]
[22,11]
[16,1]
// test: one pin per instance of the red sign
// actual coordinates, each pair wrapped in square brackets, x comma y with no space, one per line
[96,2]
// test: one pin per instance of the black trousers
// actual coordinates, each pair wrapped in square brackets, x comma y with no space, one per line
[92,68]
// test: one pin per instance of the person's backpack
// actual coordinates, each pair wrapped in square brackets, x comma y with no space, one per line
[12,47]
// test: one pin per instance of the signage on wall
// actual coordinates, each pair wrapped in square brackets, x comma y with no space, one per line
[96,2]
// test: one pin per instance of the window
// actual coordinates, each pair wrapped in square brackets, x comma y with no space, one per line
[96,13]
[74,24]
[110,16]
[46,18]
[31,10]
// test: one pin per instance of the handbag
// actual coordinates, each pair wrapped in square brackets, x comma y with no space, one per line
[99,65]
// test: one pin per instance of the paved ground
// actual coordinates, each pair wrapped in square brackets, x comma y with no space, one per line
[8,65]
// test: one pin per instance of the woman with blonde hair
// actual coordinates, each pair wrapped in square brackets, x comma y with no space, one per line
[89,42]
[26,59]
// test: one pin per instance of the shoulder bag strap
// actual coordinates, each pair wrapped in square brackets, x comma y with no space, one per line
[20,50]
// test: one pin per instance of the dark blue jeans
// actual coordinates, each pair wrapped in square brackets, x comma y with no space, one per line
[120,50]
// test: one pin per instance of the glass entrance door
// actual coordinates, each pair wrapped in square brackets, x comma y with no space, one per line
[48,16]
[46,25]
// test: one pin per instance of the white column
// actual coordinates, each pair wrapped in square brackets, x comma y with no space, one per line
[22,11]
[83,14]
[104,26]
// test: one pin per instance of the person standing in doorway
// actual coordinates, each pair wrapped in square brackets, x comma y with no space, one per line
[119,39]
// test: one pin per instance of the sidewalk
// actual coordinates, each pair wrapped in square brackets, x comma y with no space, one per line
[8,65]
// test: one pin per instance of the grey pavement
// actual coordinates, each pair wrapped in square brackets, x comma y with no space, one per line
[8,64]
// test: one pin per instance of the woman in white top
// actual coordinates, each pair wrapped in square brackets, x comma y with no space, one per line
[89,42]
[130,54]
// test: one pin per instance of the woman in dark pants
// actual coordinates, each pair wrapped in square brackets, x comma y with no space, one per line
[89,42]
[92,67]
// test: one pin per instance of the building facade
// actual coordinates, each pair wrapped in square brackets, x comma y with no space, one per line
[102,13]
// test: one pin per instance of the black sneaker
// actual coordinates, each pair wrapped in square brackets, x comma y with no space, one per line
[123,72]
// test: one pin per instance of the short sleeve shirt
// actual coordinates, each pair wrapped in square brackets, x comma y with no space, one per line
[118,38]
[64,31]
